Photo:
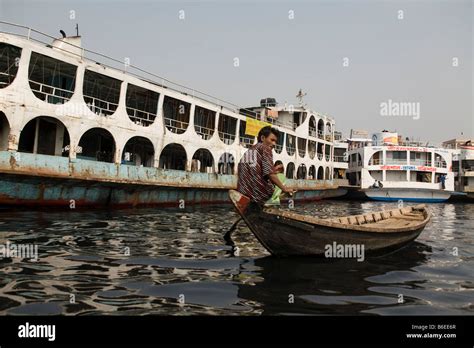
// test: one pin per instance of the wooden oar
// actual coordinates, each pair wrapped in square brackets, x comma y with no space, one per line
[227,236]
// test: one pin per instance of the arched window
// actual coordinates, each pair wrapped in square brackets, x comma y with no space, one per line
[97,144]
[202,161]
[312,172]
[101,93]
[139,151]
[142,105]
[227,128]
[173,156]
[312,130]
[44,135]
[204,122]
[321,129]
[51,80]
[226,164]
[290,170]
[320,173]
[4,132]
[9,58]
[290,144]
[176,114]
[301,147]
[301,173]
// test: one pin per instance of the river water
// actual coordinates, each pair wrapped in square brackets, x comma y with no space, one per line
[175,261]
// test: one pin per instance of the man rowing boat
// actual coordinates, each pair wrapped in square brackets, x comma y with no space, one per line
[256,173]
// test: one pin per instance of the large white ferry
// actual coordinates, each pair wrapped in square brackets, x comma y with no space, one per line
[388,168]
[103,132]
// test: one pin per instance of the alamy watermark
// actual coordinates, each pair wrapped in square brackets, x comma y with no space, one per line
[405,109]
[21,251]
[345,251]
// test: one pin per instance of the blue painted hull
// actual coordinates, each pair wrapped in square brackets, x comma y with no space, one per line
[419,200]
[29,191]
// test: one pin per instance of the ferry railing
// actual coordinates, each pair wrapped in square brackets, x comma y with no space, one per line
[99,106]
[278,148]
[421,162]
[271,120]
[313,132]
[339,159]
[204,132]
[8,76]
[320,156]
[328,137]
[246,141]
[440,164]
[320,134]
[141,116]
[312,154]
[176,126]
[290,150]
[227,138]
[396,162]
[376,162]
[328,158]
[301,153]
[277,122]
[51,94]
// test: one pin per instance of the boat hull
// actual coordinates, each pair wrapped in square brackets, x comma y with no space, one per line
[32,191]
[285,237]
[407,195]
[282,235]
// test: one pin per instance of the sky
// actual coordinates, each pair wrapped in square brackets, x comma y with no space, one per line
[350,57]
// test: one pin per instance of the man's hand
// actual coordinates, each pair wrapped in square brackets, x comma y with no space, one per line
[289,191]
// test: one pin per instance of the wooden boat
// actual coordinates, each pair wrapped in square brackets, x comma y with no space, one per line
[285,233]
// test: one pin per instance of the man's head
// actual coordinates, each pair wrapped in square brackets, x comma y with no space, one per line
[268,135]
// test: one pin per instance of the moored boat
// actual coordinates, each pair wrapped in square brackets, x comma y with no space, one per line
[285,233]
[386,167]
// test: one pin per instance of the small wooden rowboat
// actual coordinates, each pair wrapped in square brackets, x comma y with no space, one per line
[285,233]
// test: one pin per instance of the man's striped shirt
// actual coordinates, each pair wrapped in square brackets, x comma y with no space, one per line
[253,173]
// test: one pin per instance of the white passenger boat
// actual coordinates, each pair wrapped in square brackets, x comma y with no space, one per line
[388,168]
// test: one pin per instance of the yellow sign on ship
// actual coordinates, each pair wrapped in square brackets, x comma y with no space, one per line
[253,126]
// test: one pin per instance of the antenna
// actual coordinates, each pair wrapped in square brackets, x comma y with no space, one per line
[77,29]
[300,96]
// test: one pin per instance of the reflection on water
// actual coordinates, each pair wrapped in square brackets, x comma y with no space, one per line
[166,261]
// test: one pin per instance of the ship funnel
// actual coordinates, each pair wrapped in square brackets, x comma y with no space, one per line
[68,44]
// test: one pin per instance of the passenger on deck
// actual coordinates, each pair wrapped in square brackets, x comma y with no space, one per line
[442,179]
[256,173]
